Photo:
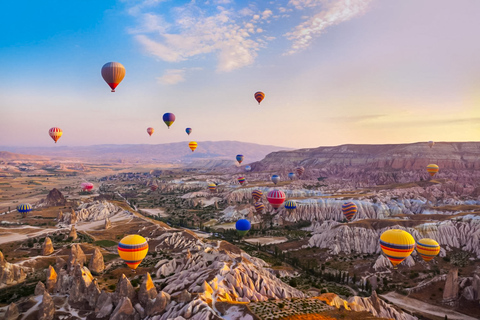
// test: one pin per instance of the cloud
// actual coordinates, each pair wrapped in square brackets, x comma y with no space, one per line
[332,13]
[172,76]
[359,118]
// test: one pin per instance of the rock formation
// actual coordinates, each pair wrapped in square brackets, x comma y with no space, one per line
[40,289]
[47,308]
[76,257]
[124,290]
[450,292]
[96,263]
[47,247]
[12,312]
[158,304]
[60,263]
[51,279]
[73,233]
[124,311]
[147,290]
[104,305]
[11,273]
[54,198]
[108,224]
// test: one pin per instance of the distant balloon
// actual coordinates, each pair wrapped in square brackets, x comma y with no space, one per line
[276,198]
[432,169]
[259,96]
[428,249]
[192,145]
[431,144]
[242,226]
[133,249]
[241,180]
[113,73]
[257,194]
[188,131]
[24,208]
[275,179]
[349,210]
[86,186]
[55,133]
[239,158]
[290,205]
[150,131]
[169,119]
[300,170]
[259,207]
[248,168]
[212,187]
[291,175]
[153,187]
[397,245]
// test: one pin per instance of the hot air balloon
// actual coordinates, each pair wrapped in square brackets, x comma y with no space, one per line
[153,187]
[300,170]
[276,198]
[275,178]
[150,131]
[431,144]
[248,168]
[169,119]
[212,187]
[239,158]
[188,131]
[55,133]
[349,210]
[290,205]
[428,249]
[242,226]
[291,175]
[257,194]
[241,180]
[132,249]
[432,169]
[113,73]
[86,186]
[259,206]
[192,145]
[259,96]
[396,244]
[24,208]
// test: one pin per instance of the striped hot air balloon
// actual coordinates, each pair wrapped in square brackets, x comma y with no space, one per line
[432,169]
[290,205]
[259,96]
[248,168]
[275,178]
[133,249]
[24,208]
[291,175]
[257,194]
[86,186]
[55,133]
[242,226]
[241,180]
[276,198]
[192,145]
[349,210]
[212,187]
[169,119]
[397,245]
[150,131]
[239,158]
[428,249]
[153,187]
[300,170]
[113,73]
[188,131]
[259,207]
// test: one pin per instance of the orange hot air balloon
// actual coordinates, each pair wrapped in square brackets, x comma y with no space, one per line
[432,169]
[150,131]
[192,145]
[55,133]
[259,96]
[113,73]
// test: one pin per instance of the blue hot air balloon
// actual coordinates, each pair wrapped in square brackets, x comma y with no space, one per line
[275,178]
[242,226]
[291,175]
[239,158]
[188,131]
[248,168]
[169,119]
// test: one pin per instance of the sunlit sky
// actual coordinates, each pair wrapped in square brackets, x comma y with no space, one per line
[333,71]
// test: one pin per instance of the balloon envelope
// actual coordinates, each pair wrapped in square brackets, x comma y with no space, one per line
[242,226]
[192,145]
[257,194]
[86,186]
[276,198]
[300,170]
[396,244]
[291,175]
[153,187]
[259,207]
[431,144]
[275,178]
[432,169]
[55,133]
[259,96]
[113,73]
[349,210]
[133,249]
[241,180]
[150,131]
[290,205]
[239,158]
[428,249]
[212,187]
[169,119]
[188,131]
[248,168]
[24,208]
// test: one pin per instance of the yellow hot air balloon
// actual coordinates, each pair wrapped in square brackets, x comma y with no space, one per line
[132,249]
[192,145]
[428,249]
[397,244]
[55,133]
[432,169]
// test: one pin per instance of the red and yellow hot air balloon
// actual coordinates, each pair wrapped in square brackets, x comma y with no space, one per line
[259,96]
[428,249]
[241,180]
[150,131]
[259,207]
[212,187]
[192,145]
[113,73]
[276,198]
[397,245]
[133,249]
[55,133]
[257,194]
[432,169]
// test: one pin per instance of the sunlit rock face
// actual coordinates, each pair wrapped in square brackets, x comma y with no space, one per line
[11,273]
[90,211]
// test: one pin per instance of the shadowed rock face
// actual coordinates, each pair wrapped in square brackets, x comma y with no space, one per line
[47,308]
[54,198]
[450,292]
[96,263]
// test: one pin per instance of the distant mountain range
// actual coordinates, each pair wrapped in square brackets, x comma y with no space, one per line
[178,152]
[5,155]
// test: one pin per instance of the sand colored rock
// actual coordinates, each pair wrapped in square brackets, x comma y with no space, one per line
[96,263]
[124,311]
[47,308]
[147,290]
[47,247]
[108,224]
[157,305]
[12,312]
[11,273]
[73,233]
[60,263]
[54,198]
[77,256]
[450,292]
[51,279]
[82,279]
[104,305]
[40,289]
[124,290]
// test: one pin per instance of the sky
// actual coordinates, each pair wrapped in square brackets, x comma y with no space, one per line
[333,71]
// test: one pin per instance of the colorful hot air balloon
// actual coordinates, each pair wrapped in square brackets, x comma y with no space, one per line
[55,133]
[259,96]
[242,226]
[86,186]
[248,168]
[259,206]
[241,180]
[153,187]
[432,169]
[276,198]
[428,249]
[212,187]
[192,145]
[188,131]
[24,208]
[431,144]
[291,175]
[132,249]
[396,244]
[239,158]
[275,178]
[169,119]
[349,210]
[113,73]
[290,205]
[150,131]
[300,170]
[257,194]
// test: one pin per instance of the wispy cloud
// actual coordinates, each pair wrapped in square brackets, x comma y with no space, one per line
[174,76]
